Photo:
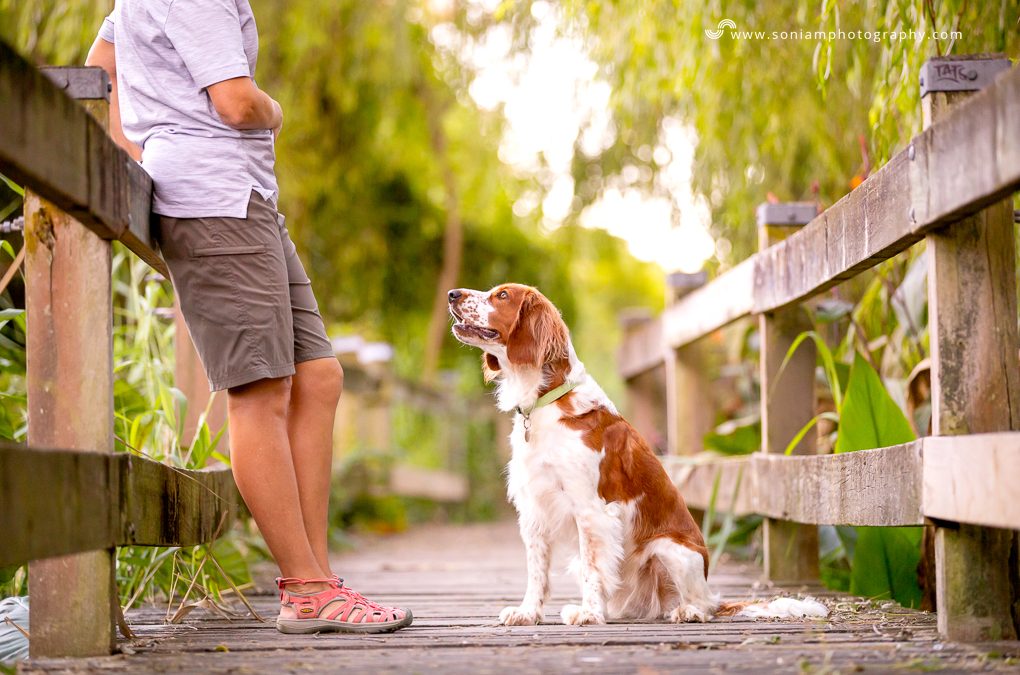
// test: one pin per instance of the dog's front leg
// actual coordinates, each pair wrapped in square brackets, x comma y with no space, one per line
[596,563]
[530,611]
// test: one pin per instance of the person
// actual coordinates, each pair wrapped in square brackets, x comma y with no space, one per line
[185,102]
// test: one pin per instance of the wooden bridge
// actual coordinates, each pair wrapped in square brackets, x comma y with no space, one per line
[67,509]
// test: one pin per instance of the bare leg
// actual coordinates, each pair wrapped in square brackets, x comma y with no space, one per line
[263,467]
[315,392]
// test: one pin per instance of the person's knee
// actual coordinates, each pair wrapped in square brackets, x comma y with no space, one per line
[269,396]
[321,380]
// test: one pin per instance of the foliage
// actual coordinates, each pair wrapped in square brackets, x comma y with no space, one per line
[805,117]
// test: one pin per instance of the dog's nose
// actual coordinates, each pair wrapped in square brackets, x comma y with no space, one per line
[454,294]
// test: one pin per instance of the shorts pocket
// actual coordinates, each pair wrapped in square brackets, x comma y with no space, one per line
[228,250]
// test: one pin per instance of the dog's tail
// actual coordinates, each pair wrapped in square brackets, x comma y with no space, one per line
[780,608]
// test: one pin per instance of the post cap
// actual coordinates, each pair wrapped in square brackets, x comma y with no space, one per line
[80,82]
[960,73]
[786,214]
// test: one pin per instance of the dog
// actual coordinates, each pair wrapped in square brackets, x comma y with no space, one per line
[578,468]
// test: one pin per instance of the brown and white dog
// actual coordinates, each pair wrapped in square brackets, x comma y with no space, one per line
[578,468]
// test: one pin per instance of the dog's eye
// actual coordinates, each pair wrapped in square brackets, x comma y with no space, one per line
[503,295]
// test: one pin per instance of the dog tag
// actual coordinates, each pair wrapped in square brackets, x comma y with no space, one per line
[527,435]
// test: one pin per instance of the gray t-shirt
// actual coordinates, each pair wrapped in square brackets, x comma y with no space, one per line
[168,52]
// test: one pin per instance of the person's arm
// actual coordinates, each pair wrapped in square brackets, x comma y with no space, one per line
[102,54]
[242,105]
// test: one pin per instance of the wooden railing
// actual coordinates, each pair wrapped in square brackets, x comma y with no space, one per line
[81,501]
[952,186]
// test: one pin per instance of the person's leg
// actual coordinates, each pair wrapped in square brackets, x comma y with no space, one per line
[314,395]
[264,470]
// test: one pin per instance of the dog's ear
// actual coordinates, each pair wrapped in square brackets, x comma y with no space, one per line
[538,335]
[490,367]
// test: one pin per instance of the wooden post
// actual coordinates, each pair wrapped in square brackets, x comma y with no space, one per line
[70,396]
[975,375]
[787,402]
[644,404]
[689,413]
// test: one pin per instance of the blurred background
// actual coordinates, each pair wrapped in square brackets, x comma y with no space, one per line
[587,147]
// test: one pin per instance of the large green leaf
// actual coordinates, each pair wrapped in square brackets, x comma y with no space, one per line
[885,564]
[885,558]
[870,417]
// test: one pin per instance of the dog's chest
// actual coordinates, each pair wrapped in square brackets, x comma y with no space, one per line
[551,464]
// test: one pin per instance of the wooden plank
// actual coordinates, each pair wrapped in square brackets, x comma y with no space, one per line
[56,502]
[727,298]
[441,486]
[50,143]
[165,506]
[642,349]
[456,579]
[869,487]
[697,481]
[100,500]
[972,479]
[689,407]
[974,341]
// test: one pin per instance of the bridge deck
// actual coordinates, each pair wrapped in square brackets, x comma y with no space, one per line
[457,578]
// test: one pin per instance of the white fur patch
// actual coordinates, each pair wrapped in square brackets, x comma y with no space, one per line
[786,608]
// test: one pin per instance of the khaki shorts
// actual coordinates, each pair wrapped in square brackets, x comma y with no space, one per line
[244,294]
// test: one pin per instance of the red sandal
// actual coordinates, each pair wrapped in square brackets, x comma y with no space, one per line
[337,609]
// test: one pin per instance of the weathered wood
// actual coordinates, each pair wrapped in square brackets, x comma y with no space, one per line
[869,487]
[69,376]
[689,410]
[440,486]
[642,349]
[974,341]
[973,479]
[50,143]
[456,579]
[58,502]
[164,506]
[729,479]
[787,405]
[727,298]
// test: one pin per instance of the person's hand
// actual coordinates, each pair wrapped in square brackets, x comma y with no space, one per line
[278,116]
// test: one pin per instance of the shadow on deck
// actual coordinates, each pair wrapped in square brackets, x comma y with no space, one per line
[457,578]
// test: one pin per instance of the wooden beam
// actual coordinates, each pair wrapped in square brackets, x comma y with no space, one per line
[643,348]
[972,479]
[703,311]
[869,487]
[697,481]
[960,479]
[100,500]
[50,143]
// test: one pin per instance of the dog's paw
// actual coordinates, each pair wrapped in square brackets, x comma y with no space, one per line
[688,614]
[575,615]
[519,616]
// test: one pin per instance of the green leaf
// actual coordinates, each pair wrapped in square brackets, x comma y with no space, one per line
[869,417]
[885,558]
[735,437]
[885,564]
